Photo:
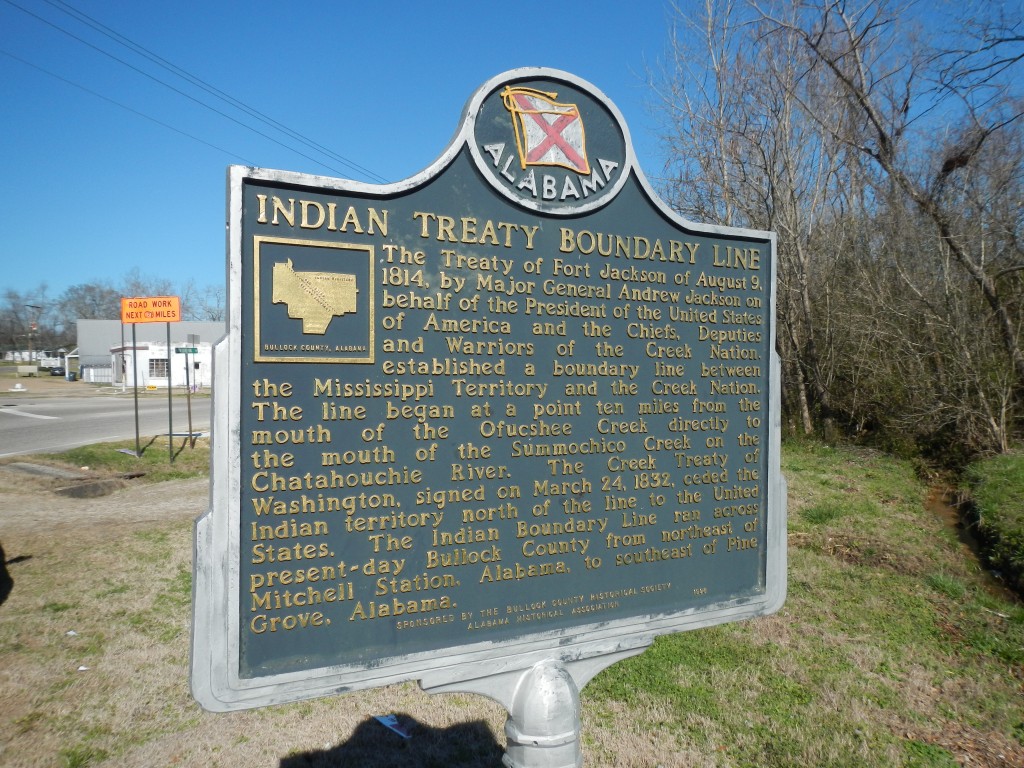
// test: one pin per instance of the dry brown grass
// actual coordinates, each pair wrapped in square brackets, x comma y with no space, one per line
[94,640]
[872,659]
[114,572]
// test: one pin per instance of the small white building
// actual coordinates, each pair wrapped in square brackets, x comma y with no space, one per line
[104,352]
[153,365]
[41,357]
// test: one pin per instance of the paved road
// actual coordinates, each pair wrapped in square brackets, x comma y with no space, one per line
[53,422]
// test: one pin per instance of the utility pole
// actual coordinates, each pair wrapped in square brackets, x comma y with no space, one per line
[32,327]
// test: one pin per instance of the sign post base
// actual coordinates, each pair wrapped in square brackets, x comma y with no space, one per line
[543,702]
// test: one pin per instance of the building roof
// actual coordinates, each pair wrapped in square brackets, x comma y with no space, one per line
[97,337]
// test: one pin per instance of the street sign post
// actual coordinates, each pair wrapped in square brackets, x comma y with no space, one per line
[152,309]
[188,386]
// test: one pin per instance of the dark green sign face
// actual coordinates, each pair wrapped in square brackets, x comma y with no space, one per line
[515,399]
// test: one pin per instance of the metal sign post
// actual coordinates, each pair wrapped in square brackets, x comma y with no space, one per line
[170,400]
[193,340]
[135,390]
[152,309]
[188,385]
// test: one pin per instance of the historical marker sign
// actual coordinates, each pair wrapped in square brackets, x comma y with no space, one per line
[511,409]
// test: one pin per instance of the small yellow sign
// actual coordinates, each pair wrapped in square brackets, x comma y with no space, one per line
[151,309]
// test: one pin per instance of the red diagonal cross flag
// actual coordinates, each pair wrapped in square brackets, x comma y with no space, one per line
[547,133]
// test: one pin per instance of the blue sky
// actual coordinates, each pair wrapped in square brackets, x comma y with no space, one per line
[93,190]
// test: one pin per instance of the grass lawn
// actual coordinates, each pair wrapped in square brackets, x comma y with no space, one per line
[996,490]
[893,649]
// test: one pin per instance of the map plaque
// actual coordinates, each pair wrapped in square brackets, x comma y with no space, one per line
[509,417]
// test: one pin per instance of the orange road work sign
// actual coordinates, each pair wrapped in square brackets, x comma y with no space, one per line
[151,309]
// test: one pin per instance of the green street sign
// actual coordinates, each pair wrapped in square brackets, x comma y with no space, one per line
[186,350]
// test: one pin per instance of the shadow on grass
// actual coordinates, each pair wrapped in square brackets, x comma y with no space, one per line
[6,582]
[141,448]
[466,745]
[186,442]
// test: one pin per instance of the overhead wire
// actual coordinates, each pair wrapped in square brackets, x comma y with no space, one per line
[123,106]
[169,86]
[188,96]
[211,89]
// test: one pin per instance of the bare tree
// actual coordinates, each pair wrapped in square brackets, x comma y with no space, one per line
[891,169]
[925,117]
[136,284]
[745,153]
[25,319]
[205,304]
[90,301]
[52,323]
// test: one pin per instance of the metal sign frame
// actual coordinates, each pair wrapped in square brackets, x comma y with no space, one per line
[583,648]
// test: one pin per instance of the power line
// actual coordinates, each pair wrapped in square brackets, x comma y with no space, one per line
[174,89]
[123,106]
[209,88]
[167,85]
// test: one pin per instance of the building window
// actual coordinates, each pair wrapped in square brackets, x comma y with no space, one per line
[158,368]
